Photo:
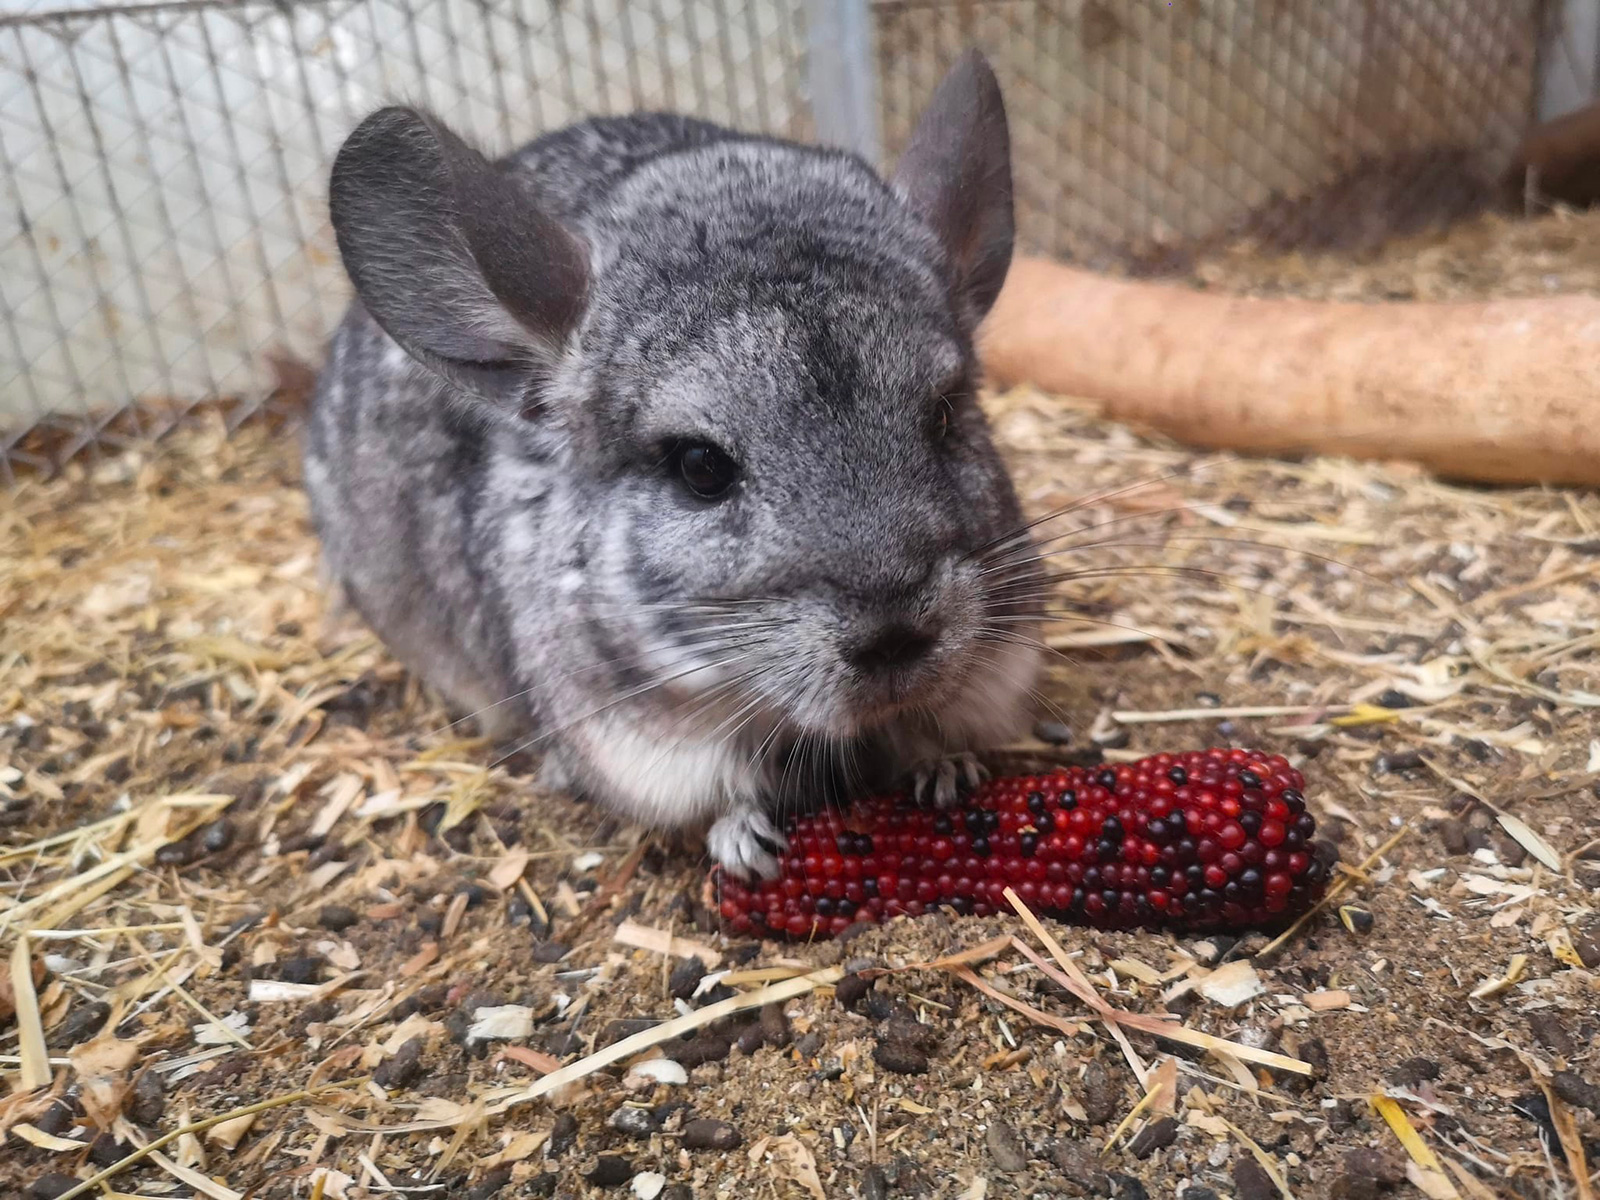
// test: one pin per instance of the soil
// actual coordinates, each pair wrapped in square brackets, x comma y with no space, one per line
[371,899]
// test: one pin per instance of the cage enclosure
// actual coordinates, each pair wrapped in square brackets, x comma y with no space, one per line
[276,923]
[165,163]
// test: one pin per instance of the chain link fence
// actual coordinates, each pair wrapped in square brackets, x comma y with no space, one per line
[1142,128]
[163,165]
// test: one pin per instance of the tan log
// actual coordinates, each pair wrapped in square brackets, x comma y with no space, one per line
[1501,391]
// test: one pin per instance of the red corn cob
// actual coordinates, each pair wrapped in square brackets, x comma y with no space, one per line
[1206,840]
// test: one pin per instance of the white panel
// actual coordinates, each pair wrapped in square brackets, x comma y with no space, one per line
[163,170]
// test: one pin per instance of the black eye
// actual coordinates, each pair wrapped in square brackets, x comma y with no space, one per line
[706,471]
[943,415]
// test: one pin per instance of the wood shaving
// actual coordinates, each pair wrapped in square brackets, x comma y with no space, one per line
[167,664]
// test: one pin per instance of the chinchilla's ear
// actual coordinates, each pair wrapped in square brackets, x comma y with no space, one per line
[452,257]
[956,175]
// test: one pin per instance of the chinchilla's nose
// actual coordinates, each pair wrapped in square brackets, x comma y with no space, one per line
[887,645]
[888,611]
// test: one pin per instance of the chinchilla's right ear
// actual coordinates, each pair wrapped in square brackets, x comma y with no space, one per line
[453,258]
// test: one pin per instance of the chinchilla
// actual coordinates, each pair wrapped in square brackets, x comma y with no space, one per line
[655,446]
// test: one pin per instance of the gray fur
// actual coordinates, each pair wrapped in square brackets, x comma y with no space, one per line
[489,452]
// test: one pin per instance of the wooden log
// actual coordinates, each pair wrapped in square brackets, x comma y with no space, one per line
[1504,391]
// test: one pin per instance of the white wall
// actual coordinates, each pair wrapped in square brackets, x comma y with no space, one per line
[162,174]
[1133,118]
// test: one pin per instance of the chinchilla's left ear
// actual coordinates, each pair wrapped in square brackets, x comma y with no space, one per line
[956,175]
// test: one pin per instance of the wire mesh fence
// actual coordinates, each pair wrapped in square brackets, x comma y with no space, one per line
[1142,126]
[164,165]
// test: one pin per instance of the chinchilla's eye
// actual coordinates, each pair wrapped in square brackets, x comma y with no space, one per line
[943,415]
[706,470]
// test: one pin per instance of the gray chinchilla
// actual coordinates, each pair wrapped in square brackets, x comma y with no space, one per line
[656,445]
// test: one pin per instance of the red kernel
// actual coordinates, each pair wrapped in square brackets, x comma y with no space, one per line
[1119,856]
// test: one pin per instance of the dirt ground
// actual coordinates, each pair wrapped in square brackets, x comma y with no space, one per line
[250,863]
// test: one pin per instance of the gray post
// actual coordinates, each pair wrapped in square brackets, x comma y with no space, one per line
[842,72]
[1569,75]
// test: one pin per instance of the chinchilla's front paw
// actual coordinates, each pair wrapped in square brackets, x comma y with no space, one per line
[945,782]
[746,843]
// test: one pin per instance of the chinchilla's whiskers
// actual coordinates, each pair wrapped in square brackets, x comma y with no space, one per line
[938,729]
[757,764]
[741,718]
[705,702]
[1015,591]
[1019,564]
[1089,501]
[698,709]
[478,712]
[697,618]
[1061,615]
[783,694]
[755,700]
[987,633]
[761,765]
[1010,638]
[1045,702]
[630,694]
[742,625]
[784,790]
[734,609]
[813,763]
[1021,544]
[716,601]
[805,745]
[737,636]
[631,659]
[855,779]
[1025,551]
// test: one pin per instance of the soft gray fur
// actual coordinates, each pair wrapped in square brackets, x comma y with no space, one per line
[499,444]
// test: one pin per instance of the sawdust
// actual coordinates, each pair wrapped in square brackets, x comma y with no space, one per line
[245,856]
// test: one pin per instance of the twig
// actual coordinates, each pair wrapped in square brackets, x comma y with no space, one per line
[166,1139]
[1081,986]
[182,993]
[1075,982]
[1171,1030]
[1050,1021]
[667,1030]
[1566,1129]
[1228,714]
[30,1029]
[1261,1156]
[1515,826]
[1339,888]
